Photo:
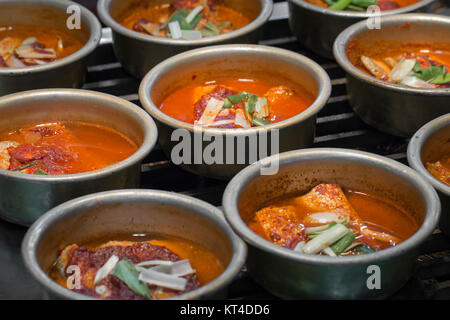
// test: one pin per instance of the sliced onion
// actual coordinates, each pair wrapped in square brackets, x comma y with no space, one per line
[181,268]
[322,218]
[107,268]
[31,53]
[175,30]
[191,34]
[191,16]
[154,263]
[210,113]
[16,63]
[29,41]
[141,265]
[241,120]
[415,82]
[164,280]
[402,69]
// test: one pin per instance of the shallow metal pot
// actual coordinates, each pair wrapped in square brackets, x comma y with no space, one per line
[317,28]
[138,52]
[127,212]
[290,274]
[25,197]
[394,108]
[429,144]
[68,72]
[245,62]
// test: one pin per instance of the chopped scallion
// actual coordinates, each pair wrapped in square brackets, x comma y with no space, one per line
[126,271]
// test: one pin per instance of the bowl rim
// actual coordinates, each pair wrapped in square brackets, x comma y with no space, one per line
[152,77]
[206,210]
[232,193]
[104,14]
[95,34]
[148,143]
[415,150]
[352,14]
[341,42]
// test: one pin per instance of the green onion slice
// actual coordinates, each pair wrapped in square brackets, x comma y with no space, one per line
[126,271]
[28,166]
[41,172]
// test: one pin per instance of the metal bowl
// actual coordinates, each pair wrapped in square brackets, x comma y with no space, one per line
[429,144]
[394,108]
[138,52]
[317,28]
[25,197]
[68,72]
[243,61]
[290,274]
[108,214]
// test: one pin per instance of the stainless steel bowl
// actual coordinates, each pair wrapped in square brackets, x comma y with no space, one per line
[291,274]
[108,214]
[138,52]
[317,28]
[430,144]
[394,108]
[231,61]
[68,72]
[24,197]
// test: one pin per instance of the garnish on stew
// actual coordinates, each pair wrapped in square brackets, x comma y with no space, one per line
[236,103]
[362,5]
[62,148]
[329,221]
[184,19]
[26,45]
[136,270]
[440,169]
[417,65]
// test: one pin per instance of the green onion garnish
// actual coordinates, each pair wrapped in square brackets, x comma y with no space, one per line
[28,166]
[365,249]
[126,271]
[342,244]
[41,172]
[260,122]
[193,14]
[340,5]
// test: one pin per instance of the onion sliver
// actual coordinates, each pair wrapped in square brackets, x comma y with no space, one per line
[107,268]
[160,279]
[175,30]
[154,263]
[402,69]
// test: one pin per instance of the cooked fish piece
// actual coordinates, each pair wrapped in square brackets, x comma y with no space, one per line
[331,198]
[4,153]
[439,171]
[7,47]
[377,68]
[279,225]
[91,260]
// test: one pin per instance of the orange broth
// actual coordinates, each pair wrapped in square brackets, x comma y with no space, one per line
[180,103]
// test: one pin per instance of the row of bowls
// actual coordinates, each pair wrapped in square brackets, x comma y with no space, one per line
[280,271]
[378,103]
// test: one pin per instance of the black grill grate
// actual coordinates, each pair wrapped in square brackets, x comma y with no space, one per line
[337,126]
